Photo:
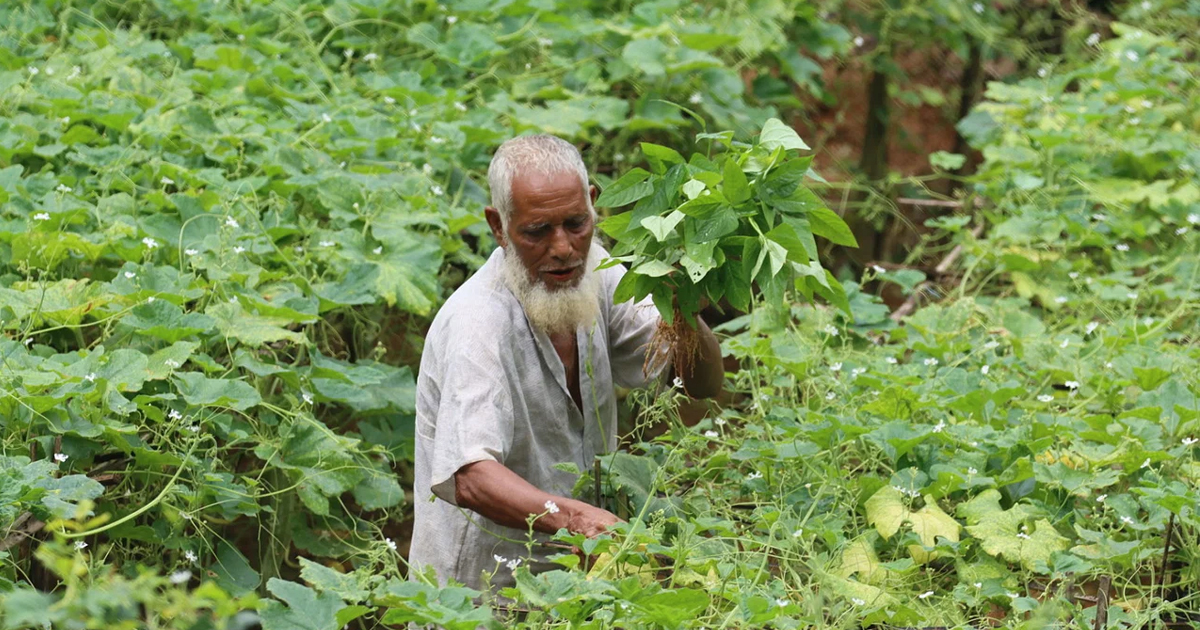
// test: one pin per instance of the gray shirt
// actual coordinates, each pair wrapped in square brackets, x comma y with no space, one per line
[491,387]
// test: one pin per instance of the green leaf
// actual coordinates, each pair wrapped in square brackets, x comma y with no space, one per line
[631,187]
[232,572]
[327,580]
[248,328]
[198,389]
[662,227]
[947,161]
[734,184]
[654,268]
[646,55]
[305,609]
[674,607]
[661,157]
[775,134]
[824,222]
[166,321]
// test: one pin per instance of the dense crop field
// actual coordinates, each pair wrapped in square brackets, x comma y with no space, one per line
[225,226]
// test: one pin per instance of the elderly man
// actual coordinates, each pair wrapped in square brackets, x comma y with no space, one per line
[518,375]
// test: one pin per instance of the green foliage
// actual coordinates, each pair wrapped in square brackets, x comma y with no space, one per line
[720,227]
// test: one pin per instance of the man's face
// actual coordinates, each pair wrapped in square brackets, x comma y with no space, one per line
[550,229]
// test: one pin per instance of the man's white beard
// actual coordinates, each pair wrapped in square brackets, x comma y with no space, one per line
[564,310]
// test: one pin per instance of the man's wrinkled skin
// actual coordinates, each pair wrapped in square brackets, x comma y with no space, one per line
[550,230]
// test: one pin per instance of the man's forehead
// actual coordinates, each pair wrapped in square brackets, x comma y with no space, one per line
[533,190]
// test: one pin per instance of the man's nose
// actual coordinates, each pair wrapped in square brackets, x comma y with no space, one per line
[560,245]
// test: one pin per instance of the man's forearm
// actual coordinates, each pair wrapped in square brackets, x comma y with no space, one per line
[705,376]
[502,496]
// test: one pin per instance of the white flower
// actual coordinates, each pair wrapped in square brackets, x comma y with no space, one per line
[42,216]
[940,426]
[830,396]
[308,398]
[1091,328]
[985,369]
[891,360]
[1093,39]
[781,602]
[1072,384]
[1065,343]
[1045,397]
[66,120]
[437,190]
[166,181]
[451,19]
[696,98]
[326,243]
[831,330]
[1146,464]
[972,471]
[1127,520]
[91,377]
[1022,535]
[33,71]
[719,422]
[80,545]
[75,71]
[856,372]
[978,585]
[1129,109]
[190,556]
[1012,595]
[149,242]
[877,269]
[1099,217]
[1135,120]
[369,57]
[1132,295]
[618,157]
[754,475]
[389,100]
[836,367]
[390,543]
[931,361]
[231,222]
[28,341]
[859,41]
[62,188]
[1108,364]
[1193,218]
[241,37]
[60,457]
[180,577]
[194,428]
[712,435]
[348,53]
[1101,498]
[858,602]
[677,383]
[499,559]
[1074,275]
[977,7]
[238,249]
[1145,5]
[191,252]
[1060,300]
[1188,441]
[513,564]
[1131,55]
[1181,231]
[460,107]
[528,66]
[925,595]
[378,250]
[551,507]
[1042,72]
[171,363]
[436,139]
[130,275]
[175,415]
[326,118]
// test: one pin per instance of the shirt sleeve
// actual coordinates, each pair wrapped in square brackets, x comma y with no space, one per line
[631,328]
[474,419]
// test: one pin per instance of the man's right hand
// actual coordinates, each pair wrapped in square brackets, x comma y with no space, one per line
[589,520]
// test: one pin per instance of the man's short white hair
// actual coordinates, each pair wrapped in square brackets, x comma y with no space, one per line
[542,154]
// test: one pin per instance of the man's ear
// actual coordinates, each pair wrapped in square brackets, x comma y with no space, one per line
[494,222]
[593,192]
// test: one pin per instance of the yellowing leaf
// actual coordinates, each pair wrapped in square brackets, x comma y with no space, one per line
[886,511]
[929,523]
[859,557]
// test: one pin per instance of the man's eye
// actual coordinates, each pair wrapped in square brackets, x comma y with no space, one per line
[536,231]
[575,224]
